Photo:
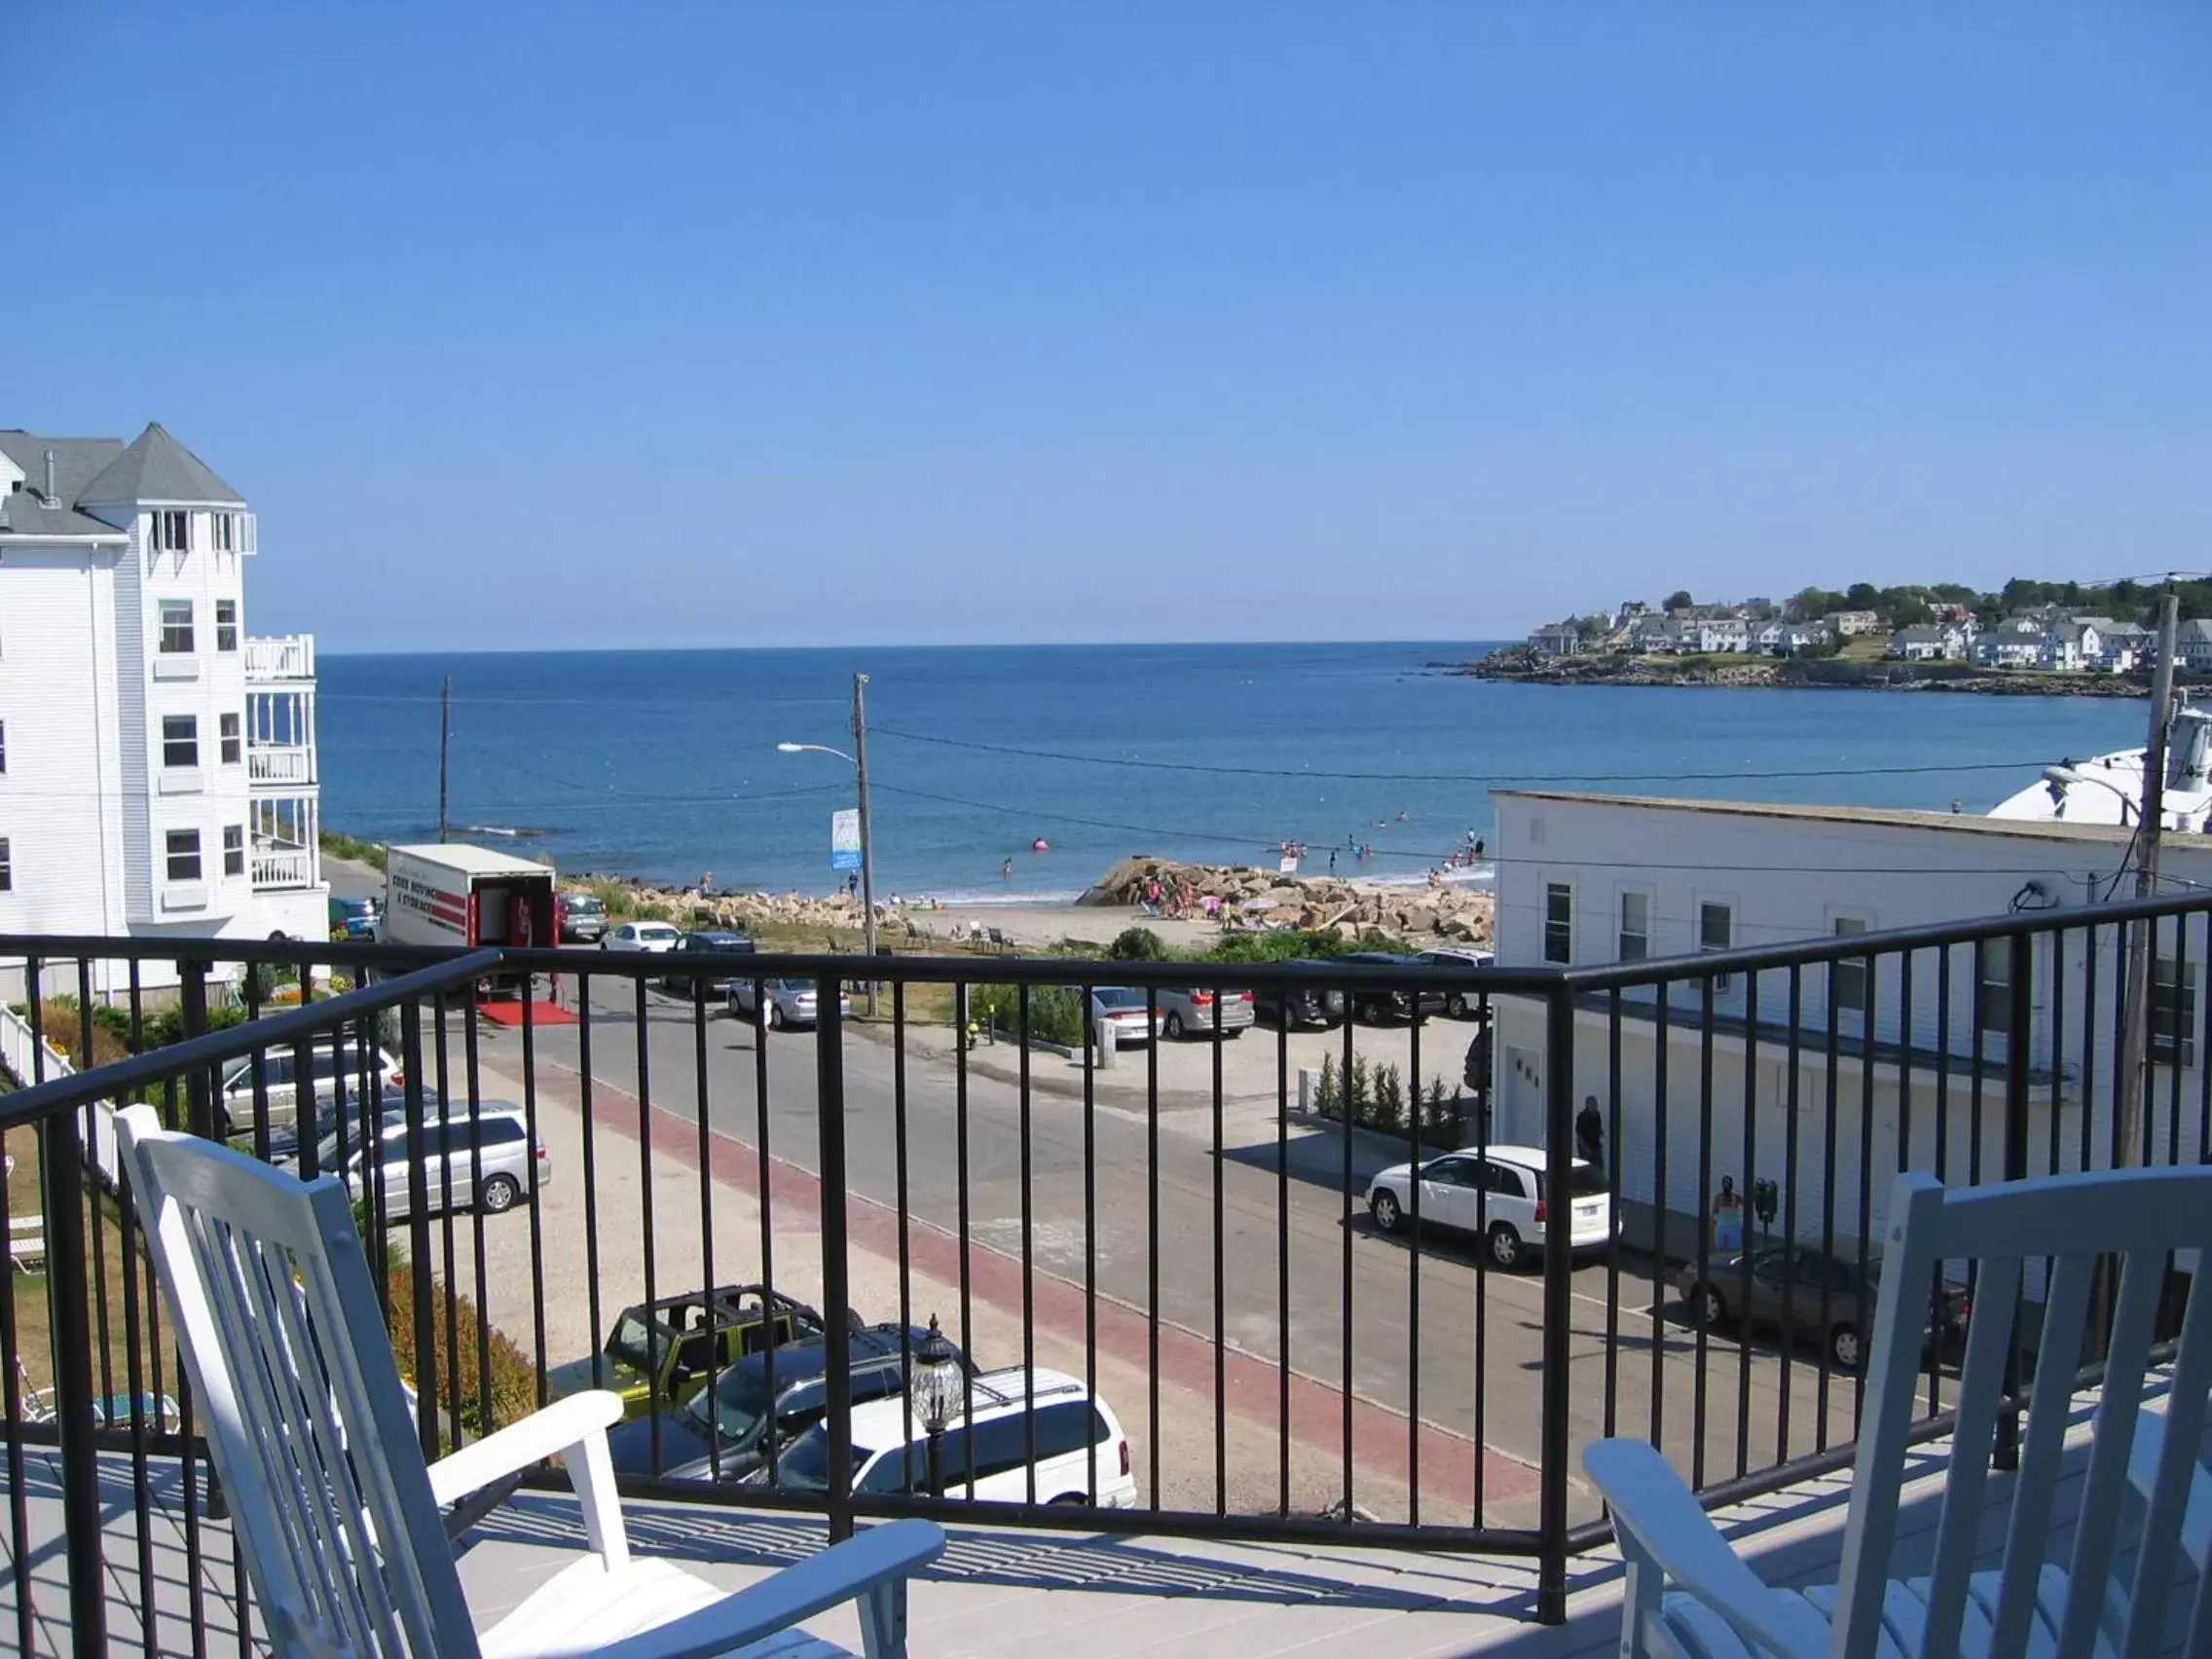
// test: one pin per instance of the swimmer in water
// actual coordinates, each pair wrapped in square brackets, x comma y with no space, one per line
[1006,868]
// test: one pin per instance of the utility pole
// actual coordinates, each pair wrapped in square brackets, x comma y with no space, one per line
[2142,936]
[445,741]
[867,836]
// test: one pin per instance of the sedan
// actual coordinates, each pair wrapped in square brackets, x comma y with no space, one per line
[1460,1005]
[1804,1291]
[786,1003]
[652,937]
[705,942]
[1124,1012]
[1376,1005]
[1194,1014]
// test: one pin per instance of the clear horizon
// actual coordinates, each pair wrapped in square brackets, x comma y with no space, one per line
[710,327]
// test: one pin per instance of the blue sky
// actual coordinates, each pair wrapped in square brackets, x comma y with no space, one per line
[734,324]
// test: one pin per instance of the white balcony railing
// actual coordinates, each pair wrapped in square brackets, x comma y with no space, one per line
[280,764]
[289,656]
[283,866]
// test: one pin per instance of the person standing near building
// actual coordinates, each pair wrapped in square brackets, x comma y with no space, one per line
[1590,1133]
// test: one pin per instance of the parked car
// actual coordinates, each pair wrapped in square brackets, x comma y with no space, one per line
[1193,1013]
[355,918]
[238,1105]
[1302,1005]
[489,1162]
[1378,1006]
[1079,1444]
[583,918]
[1503,1194]
[662,1353]
[1127,1013]
[785,1003]
[1460,1005]
[708,941]
[726,1431]
[652,937]
[392,1107]
[1803,1291]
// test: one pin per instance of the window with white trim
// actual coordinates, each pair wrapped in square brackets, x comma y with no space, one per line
[183,848]
[1636,926]
[1559,922]
[228,735]
[180,740]
[7,867]
[1716,931]
[233,848]
[1848,974]
[176,627]
[1993,993]
[225,528]
[3,749]
[225,624]
[172,531]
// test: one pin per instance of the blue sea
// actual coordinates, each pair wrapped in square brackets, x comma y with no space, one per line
[663,764]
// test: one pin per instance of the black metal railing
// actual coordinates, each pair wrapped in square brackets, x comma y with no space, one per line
[1261,1331]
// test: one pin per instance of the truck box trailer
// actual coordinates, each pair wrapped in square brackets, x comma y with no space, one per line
[455,896]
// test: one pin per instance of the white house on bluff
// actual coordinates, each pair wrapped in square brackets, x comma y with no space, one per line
[1913,1077]
[157,766]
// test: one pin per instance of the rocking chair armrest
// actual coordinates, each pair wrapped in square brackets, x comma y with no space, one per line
[2143,1454]
[561,1426]
[875,1559]
[1658,1519]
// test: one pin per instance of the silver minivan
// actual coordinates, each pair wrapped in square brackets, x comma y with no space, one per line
[1193,1013]
[489,1163]
[235,1101]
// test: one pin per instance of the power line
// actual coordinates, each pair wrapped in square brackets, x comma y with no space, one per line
[1453,777]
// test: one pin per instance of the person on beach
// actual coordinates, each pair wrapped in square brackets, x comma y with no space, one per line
[1332,861]
[1006,869]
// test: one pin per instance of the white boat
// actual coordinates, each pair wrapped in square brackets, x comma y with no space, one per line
[2108,789]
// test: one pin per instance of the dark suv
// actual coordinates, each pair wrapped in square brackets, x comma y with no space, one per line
[706,942]
[1376,1006]
[1302,1005]
[1801,1290]
[726,1433]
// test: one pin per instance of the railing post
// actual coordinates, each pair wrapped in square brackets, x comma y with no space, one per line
[426,1376]
[61,1171]
[2019,1059]
[198,1095]
[836,1296]
[1559,1295]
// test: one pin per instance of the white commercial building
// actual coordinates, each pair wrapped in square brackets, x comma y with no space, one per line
[158,771]
[1587,880]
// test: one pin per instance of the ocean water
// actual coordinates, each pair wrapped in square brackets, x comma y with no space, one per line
[664,764]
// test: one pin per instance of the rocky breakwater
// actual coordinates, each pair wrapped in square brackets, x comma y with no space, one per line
[1268,899]
[692,907]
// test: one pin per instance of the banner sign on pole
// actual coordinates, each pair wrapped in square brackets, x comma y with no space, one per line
[845,839]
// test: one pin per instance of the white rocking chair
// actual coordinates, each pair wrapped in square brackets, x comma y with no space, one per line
[294,1379]
[2028,1606]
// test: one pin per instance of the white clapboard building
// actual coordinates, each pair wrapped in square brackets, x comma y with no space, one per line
[1913,1078]
[156,763]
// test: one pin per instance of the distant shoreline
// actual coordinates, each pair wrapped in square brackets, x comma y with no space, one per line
[1745,671]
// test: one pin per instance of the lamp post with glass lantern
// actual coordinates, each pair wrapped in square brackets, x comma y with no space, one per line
[933,1388]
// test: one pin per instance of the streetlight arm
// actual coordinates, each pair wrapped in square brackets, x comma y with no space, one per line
[815,748]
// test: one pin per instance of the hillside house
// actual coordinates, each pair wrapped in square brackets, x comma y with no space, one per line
[1851,623]
[1557,640]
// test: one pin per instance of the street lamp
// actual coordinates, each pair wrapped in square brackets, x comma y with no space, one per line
[933,1388]
[2060,778]
[858,761]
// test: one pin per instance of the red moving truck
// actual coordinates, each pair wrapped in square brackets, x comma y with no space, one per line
[457,896]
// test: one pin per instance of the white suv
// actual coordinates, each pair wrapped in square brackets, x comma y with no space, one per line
[986,1455]
[1501,1192]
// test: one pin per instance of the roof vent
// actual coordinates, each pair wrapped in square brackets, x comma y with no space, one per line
[47,498]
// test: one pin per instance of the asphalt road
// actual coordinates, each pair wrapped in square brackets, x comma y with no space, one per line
[1170,1215]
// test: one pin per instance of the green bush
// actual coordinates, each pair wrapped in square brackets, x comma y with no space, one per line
[1055,1012]
[338,845]
[1375,1098]
[514,1379]
[1137,945]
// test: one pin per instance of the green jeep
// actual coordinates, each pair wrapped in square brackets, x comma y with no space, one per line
[663,1352]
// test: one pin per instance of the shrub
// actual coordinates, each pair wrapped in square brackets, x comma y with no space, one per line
[514,1379]
[1137,945]
[1055,1012]
[338,845]
[619,897]
[1374,1097]
[62,1023]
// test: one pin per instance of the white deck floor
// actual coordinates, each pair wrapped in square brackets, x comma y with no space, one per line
[1003,1592]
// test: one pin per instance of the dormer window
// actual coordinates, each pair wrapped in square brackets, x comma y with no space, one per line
[225,526]
[172,531]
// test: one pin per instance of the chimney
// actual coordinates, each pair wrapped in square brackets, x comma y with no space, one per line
[47,498]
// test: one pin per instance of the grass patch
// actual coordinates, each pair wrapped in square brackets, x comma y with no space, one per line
[336,845]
